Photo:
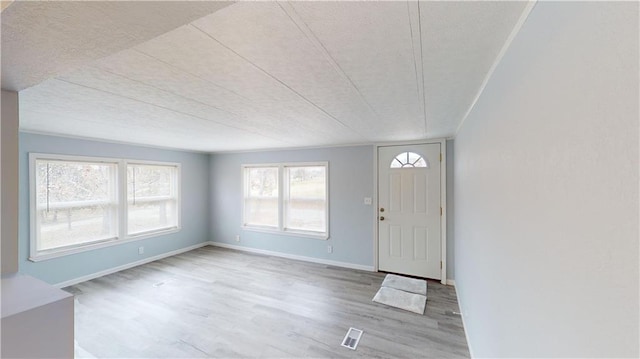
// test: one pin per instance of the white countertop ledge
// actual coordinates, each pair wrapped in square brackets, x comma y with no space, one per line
[21,293]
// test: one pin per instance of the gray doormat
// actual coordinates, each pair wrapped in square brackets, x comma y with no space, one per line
[404,293]
[411,285]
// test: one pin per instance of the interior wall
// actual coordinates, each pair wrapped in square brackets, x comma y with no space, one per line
[546,190]
[9,181]
[350,220]
[195,209]
[451,229]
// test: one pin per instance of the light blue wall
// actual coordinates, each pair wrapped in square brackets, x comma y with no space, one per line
[195,209]
[211,206]
[350,221]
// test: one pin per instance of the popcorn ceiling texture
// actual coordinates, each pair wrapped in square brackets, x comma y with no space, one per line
[41,39]
[273,75]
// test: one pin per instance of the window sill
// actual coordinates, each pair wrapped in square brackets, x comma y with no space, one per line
[290,233]
[46,255]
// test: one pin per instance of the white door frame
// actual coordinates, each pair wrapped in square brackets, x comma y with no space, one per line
[443,200]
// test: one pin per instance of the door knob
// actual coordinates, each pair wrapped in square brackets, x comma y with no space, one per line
[381,218]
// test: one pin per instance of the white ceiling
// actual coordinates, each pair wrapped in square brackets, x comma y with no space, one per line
[41,39]
[255,75]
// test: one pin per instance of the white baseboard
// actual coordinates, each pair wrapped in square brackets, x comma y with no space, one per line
[128,265]
[466,335]
[451,282]
[293,256]
[464,325]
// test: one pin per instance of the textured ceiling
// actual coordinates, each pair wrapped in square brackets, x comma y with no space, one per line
[257,75]
[41,39]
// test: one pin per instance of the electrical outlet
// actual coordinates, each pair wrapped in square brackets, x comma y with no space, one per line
[237,238]
[329,249]
[367,201]
[141,250]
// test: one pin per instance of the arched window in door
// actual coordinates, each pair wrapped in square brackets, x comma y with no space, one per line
[409,160]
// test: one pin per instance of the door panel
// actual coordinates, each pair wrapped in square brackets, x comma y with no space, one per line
[395,193]
[409,210]
[420,238]
[421,197]
[395,241]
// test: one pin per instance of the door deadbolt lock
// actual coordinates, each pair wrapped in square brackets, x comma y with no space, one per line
[381,209]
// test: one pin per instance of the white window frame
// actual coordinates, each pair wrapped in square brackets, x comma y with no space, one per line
[121,206]
[178,190]
[281,229]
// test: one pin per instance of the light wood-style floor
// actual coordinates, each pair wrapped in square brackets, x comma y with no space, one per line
[214,302]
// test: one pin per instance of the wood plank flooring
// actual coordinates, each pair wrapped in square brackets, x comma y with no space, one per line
[214,302]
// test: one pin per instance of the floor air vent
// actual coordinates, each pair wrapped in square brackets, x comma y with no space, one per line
[352,338]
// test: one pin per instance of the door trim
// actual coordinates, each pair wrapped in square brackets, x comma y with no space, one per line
[443,200]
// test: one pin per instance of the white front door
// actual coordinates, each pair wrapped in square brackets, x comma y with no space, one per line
[409,210]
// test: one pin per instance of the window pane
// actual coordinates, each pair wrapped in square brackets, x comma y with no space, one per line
[261,211]
[75,203]
[396,163]
[306,204]
[148,216]
[413,157]
[261,196]
[152,198]
[408,160]
[64,227]
[421,163]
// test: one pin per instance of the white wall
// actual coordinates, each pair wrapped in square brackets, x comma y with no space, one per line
[451,230]
[9,182]
[546,190]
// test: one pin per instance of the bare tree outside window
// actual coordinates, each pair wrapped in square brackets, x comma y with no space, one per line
[76,202]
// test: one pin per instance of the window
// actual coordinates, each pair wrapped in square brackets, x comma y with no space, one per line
[288,198]
[152,198]
[409,160]
[261,197]
[306,198]
[78,203]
